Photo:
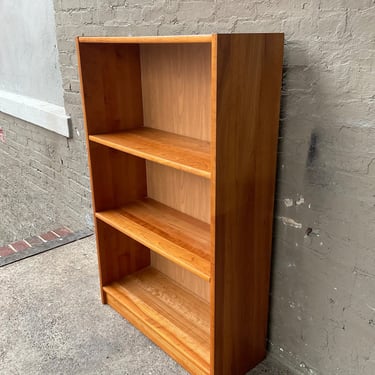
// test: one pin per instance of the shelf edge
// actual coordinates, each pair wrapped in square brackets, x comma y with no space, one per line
[157,249]
[154,158]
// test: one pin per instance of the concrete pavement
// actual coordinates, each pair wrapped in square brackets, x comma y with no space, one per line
[53,322]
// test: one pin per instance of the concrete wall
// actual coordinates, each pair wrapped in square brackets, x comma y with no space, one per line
[28,53]
[323,305]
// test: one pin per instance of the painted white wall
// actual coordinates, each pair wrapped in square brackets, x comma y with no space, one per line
[29,63]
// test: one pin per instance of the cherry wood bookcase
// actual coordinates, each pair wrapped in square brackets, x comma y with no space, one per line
[182,139]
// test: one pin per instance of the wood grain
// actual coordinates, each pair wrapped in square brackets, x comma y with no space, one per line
[176,88]
[174,235]
[173,318]
[118,255]
[182,276]
[117,178]
[249,69]
[183,153]
[111,86]
[221,89]
[182,191]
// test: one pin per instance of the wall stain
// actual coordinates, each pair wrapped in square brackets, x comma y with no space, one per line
[312,154]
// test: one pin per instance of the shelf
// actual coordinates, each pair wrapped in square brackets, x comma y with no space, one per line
[168,314]
[176,151]
[178,237]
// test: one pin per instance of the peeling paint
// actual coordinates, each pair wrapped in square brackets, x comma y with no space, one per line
[288,202]
[300,200]
[309,369]
[312,232]
[290,222]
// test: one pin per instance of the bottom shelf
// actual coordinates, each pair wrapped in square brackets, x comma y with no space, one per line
[168,314]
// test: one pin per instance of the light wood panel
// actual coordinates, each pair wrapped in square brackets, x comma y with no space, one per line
[182,276]
[182,191]
[183,153]
[173,318]
[249,69]
[176,236]
[176,88]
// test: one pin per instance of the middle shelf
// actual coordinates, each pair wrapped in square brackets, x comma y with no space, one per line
[178,237]
[173,150]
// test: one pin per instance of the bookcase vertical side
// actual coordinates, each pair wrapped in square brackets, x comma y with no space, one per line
[110,103]
[249,70]
[78,52]
[213,198]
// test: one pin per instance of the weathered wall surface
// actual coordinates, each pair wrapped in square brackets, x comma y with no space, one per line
[44,182]
[43,176]
[323,300]
[28,53]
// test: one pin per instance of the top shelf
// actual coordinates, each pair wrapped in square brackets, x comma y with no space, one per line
[176,151]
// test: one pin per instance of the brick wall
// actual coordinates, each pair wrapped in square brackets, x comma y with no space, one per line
[44,182]
[322,302]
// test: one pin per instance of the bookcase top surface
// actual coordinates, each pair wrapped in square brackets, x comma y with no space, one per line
[204,38]
[148,39]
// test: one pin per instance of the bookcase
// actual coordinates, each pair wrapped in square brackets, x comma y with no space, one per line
[182,140]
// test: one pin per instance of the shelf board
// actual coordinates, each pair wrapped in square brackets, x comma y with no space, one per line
[178,237]
[168,314]
[176,151]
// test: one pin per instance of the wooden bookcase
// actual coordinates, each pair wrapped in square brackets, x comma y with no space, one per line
[182,138]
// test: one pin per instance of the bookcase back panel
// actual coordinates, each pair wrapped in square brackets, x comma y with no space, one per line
[182,191]
[111,80]
[188,280]
[176,88]
[117,178]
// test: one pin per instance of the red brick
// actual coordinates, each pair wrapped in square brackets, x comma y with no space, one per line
[49,236]
[33,241]
[63,232]
[20,245]
[5,250]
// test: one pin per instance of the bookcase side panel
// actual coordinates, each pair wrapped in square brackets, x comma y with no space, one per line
[249,71]
[111,82]
[118,254]
[117,178]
